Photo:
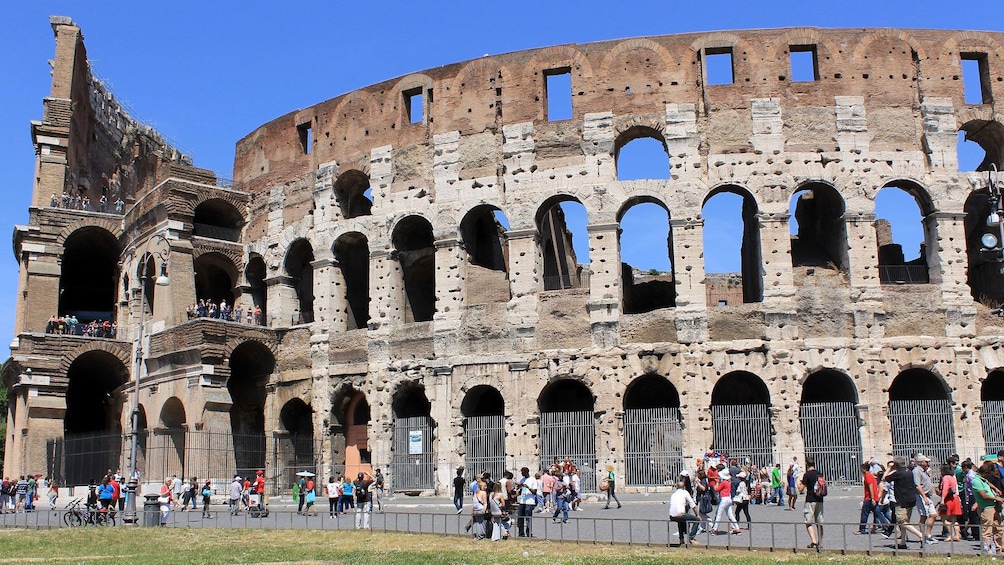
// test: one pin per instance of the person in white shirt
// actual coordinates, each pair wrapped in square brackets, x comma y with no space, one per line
[527,501]
[333,495]
[680,505]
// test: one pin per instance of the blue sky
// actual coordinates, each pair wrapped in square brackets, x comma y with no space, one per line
[207,73]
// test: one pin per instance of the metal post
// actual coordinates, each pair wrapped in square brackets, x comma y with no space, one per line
[132,487]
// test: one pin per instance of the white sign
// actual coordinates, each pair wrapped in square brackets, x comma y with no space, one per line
[414,442]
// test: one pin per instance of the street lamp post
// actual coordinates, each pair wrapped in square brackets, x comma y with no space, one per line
[132,467]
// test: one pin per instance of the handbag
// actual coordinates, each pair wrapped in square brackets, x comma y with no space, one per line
[163,500]
[704,505]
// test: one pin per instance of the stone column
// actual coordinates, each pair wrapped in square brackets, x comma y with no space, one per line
[863,275]
[449,284]
[524,282]
[688,270]
[778,284]
[604,303]
[325,303]
[947,262]
[282,302]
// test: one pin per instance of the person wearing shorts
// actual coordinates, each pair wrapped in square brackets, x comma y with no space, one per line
[813,509]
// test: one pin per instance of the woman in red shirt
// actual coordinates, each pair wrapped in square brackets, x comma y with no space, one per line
[951,506]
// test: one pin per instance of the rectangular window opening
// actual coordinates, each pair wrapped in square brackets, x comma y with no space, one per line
[804,63]
[558,94]
[718,66]
[976,78]
[306,134]
[413,105]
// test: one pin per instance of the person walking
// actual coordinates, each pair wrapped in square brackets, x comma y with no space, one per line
[724,489]
[906,492]
[777,485]
[311,498]
[207,494]
[792,479]
[611,487]
[704,504]
[165,500]
[479,506]
[459,486]
[869,505]
[951,505]
[236,489]
[378,490]
[741,500]
[562,496]
[302,483]
[496,507]
[813,510]
[926,508]
[987,500]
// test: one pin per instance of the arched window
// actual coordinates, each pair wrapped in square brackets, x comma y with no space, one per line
[732,260]
[92,426]
[353,256]
[89,275]
[214,278]
[646,243]
[564,243]
[352,190]
[217,219]
[819,234]
[641,153]
[902,236]
[415,248]
[255,275]
[992,411]
[740,418]
[981,145]
[296,449]
[483,230]
[251,365]
[299,268]
[917,395]
[414,456]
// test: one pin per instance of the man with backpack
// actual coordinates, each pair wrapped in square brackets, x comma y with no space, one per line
[814,486]
[361,488]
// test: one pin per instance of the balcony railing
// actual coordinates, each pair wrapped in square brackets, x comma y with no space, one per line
[216,232]
[903,274]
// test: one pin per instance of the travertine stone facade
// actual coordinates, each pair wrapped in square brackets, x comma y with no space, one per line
[359,199]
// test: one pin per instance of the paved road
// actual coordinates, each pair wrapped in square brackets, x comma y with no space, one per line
[642,520]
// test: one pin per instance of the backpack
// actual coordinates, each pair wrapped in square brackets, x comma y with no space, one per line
[819,489]
[362,492]
[206,491]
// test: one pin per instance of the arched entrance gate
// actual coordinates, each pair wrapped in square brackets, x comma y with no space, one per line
[567,428]
[740,418]
[992,413]
[653,436]
[920,412]
[484,431]
[830,425]
[413,466]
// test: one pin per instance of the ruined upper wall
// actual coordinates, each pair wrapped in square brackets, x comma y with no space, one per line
[894,71]
[87,142]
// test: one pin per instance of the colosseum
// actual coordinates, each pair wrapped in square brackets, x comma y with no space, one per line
[402,290]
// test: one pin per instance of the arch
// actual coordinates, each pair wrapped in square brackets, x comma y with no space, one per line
[806,36]
[352,190]
[893,219]
[741,418]
[217,218]
[984,276]
[651,391]
[482,400]
[413,450]
[653,432]
[352,253]
[992,411]
[989,134]
[172,414]
[738,388]
[89,274]
[821,237]
[643,145]
[255,276]
[888,34]
[565,395]
[636,44]
[415,248]
[92,425]
[557,243]
[215,277]
[920,415]
[484,238]
[720,223]
[168,456]
[296,447]
[648,280]
[992,388]
[251,366]
[829,385]
[298,267]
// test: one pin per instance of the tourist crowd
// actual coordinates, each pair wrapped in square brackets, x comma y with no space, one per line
[223,311]
[82,202]
[69,325]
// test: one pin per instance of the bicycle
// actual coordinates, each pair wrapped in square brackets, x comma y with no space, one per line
[74,516]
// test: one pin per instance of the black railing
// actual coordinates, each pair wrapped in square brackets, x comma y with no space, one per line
[904,274]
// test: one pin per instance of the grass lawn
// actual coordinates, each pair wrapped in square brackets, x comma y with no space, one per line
[152,545]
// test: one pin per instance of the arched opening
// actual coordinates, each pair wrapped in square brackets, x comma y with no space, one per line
[985,274]
[830,424]
[646,244]
[567,427]
[653,432]
[92,428]
[732,260]
[350,432]
[740,418]
[89,275]
[564,242]
[168,449]
[992,411]
[255,274]
[988,135]
[217,219]
[920,412]
[214,278]
[295,442]
[352,190]
[483,409]
[414,456]
[353,256]
[416,253]
[641,153]
[483,231]
[251,365]
[818,230]
[299,269]
[899,211]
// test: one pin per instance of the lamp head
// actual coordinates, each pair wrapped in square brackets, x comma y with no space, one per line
[162,280]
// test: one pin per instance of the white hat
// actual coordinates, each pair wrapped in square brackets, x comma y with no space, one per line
[684,473]
[724,473]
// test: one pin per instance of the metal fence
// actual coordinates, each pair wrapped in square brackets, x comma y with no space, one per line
[992,418]
[570,434]
[922,426]
[414,460]
[653,446]
[744,429]
[904,274]
[484,442]
[831,432]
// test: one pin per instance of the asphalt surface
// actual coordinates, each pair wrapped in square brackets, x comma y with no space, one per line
[643,519]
